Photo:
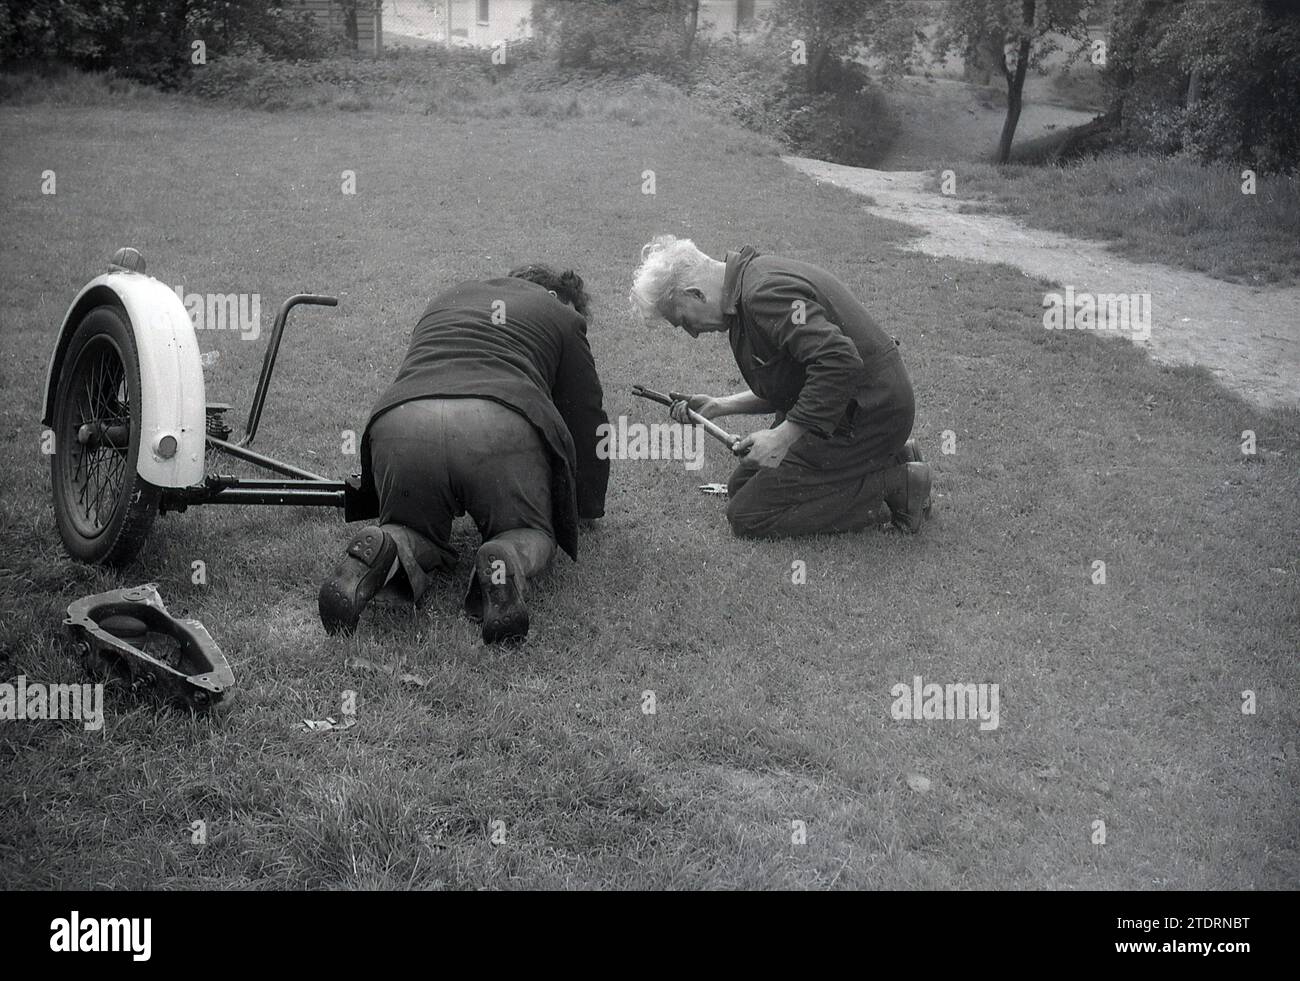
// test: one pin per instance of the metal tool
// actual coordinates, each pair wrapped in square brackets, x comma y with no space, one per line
[717,432]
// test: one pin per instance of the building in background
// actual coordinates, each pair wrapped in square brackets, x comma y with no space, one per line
[480,23]
[360,21]
[371,25]
[474,23]
[483,22]
[720,17]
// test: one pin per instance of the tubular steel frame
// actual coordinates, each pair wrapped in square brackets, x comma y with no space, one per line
[294,485]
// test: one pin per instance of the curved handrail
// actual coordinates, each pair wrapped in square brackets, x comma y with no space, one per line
[272,352]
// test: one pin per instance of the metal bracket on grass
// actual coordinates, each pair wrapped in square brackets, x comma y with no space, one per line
[129,633]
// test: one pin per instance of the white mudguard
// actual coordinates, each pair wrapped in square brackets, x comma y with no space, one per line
[172,398]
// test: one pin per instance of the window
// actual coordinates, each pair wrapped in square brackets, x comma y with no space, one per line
[484,13]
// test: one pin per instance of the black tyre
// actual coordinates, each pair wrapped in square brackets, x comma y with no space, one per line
[103,508]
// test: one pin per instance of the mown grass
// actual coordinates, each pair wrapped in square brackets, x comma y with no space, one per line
[1168,210]
[1119,703]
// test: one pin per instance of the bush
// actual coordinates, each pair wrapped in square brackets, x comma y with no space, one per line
[151,42]
[630,37]
[1244,57]
[44,31]
[847,122]
[70,87]
[430,80]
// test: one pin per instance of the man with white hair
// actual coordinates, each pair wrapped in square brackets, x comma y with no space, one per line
[838,457]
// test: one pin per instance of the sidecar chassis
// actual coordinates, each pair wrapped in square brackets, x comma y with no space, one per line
[292,485]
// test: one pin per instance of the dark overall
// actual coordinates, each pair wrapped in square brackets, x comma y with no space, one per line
[805,345]
[436,459]
[494,412]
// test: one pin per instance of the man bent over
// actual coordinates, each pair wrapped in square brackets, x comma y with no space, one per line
[494,412]
[838,457]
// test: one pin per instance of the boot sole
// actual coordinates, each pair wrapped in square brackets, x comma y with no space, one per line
[912,454]
[918,489]
[505,615]
[354,583]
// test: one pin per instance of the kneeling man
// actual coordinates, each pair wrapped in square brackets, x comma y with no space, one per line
[495,412]
[838,458]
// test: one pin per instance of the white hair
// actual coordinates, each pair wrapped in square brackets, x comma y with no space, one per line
[668,264]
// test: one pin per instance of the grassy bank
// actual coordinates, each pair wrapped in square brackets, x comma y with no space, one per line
[1155,209]
[418,86]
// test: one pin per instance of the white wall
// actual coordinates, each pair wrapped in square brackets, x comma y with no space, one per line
[504,21]
[724,13]
[424,21]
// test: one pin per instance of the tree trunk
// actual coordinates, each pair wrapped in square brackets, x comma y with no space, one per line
[1189,103]
[692,25]
[1120,78]
[180,39]
[1015,92]
[817,66]
[1016,84]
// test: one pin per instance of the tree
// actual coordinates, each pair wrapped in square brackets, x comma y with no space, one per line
[149,40]
[692,25]
[1028,31]
[1219,79]
[830,30]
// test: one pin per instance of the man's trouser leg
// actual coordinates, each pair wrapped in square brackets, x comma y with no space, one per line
[434,459]
[417,503]
[828,486]
[798,499]
[415,513]
[502,476]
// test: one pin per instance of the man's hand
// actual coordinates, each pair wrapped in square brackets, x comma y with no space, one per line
[768,447]
[705,405]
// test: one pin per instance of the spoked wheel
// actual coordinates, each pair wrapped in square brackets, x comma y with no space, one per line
[103,507]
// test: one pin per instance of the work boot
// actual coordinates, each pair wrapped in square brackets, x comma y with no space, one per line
[907,492]
[912,454]
[495,596]
[364,568]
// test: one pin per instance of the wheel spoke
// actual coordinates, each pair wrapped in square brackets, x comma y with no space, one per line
[92,485]
[96,470]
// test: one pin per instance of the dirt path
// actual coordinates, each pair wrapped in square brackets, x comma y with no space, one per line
[1248,338]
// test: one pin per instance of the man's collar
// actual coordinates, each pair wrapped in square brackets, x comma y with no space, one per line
[736,263]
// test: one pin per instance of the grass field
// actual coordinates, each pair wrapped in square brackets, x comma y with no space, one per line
[1120,702]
